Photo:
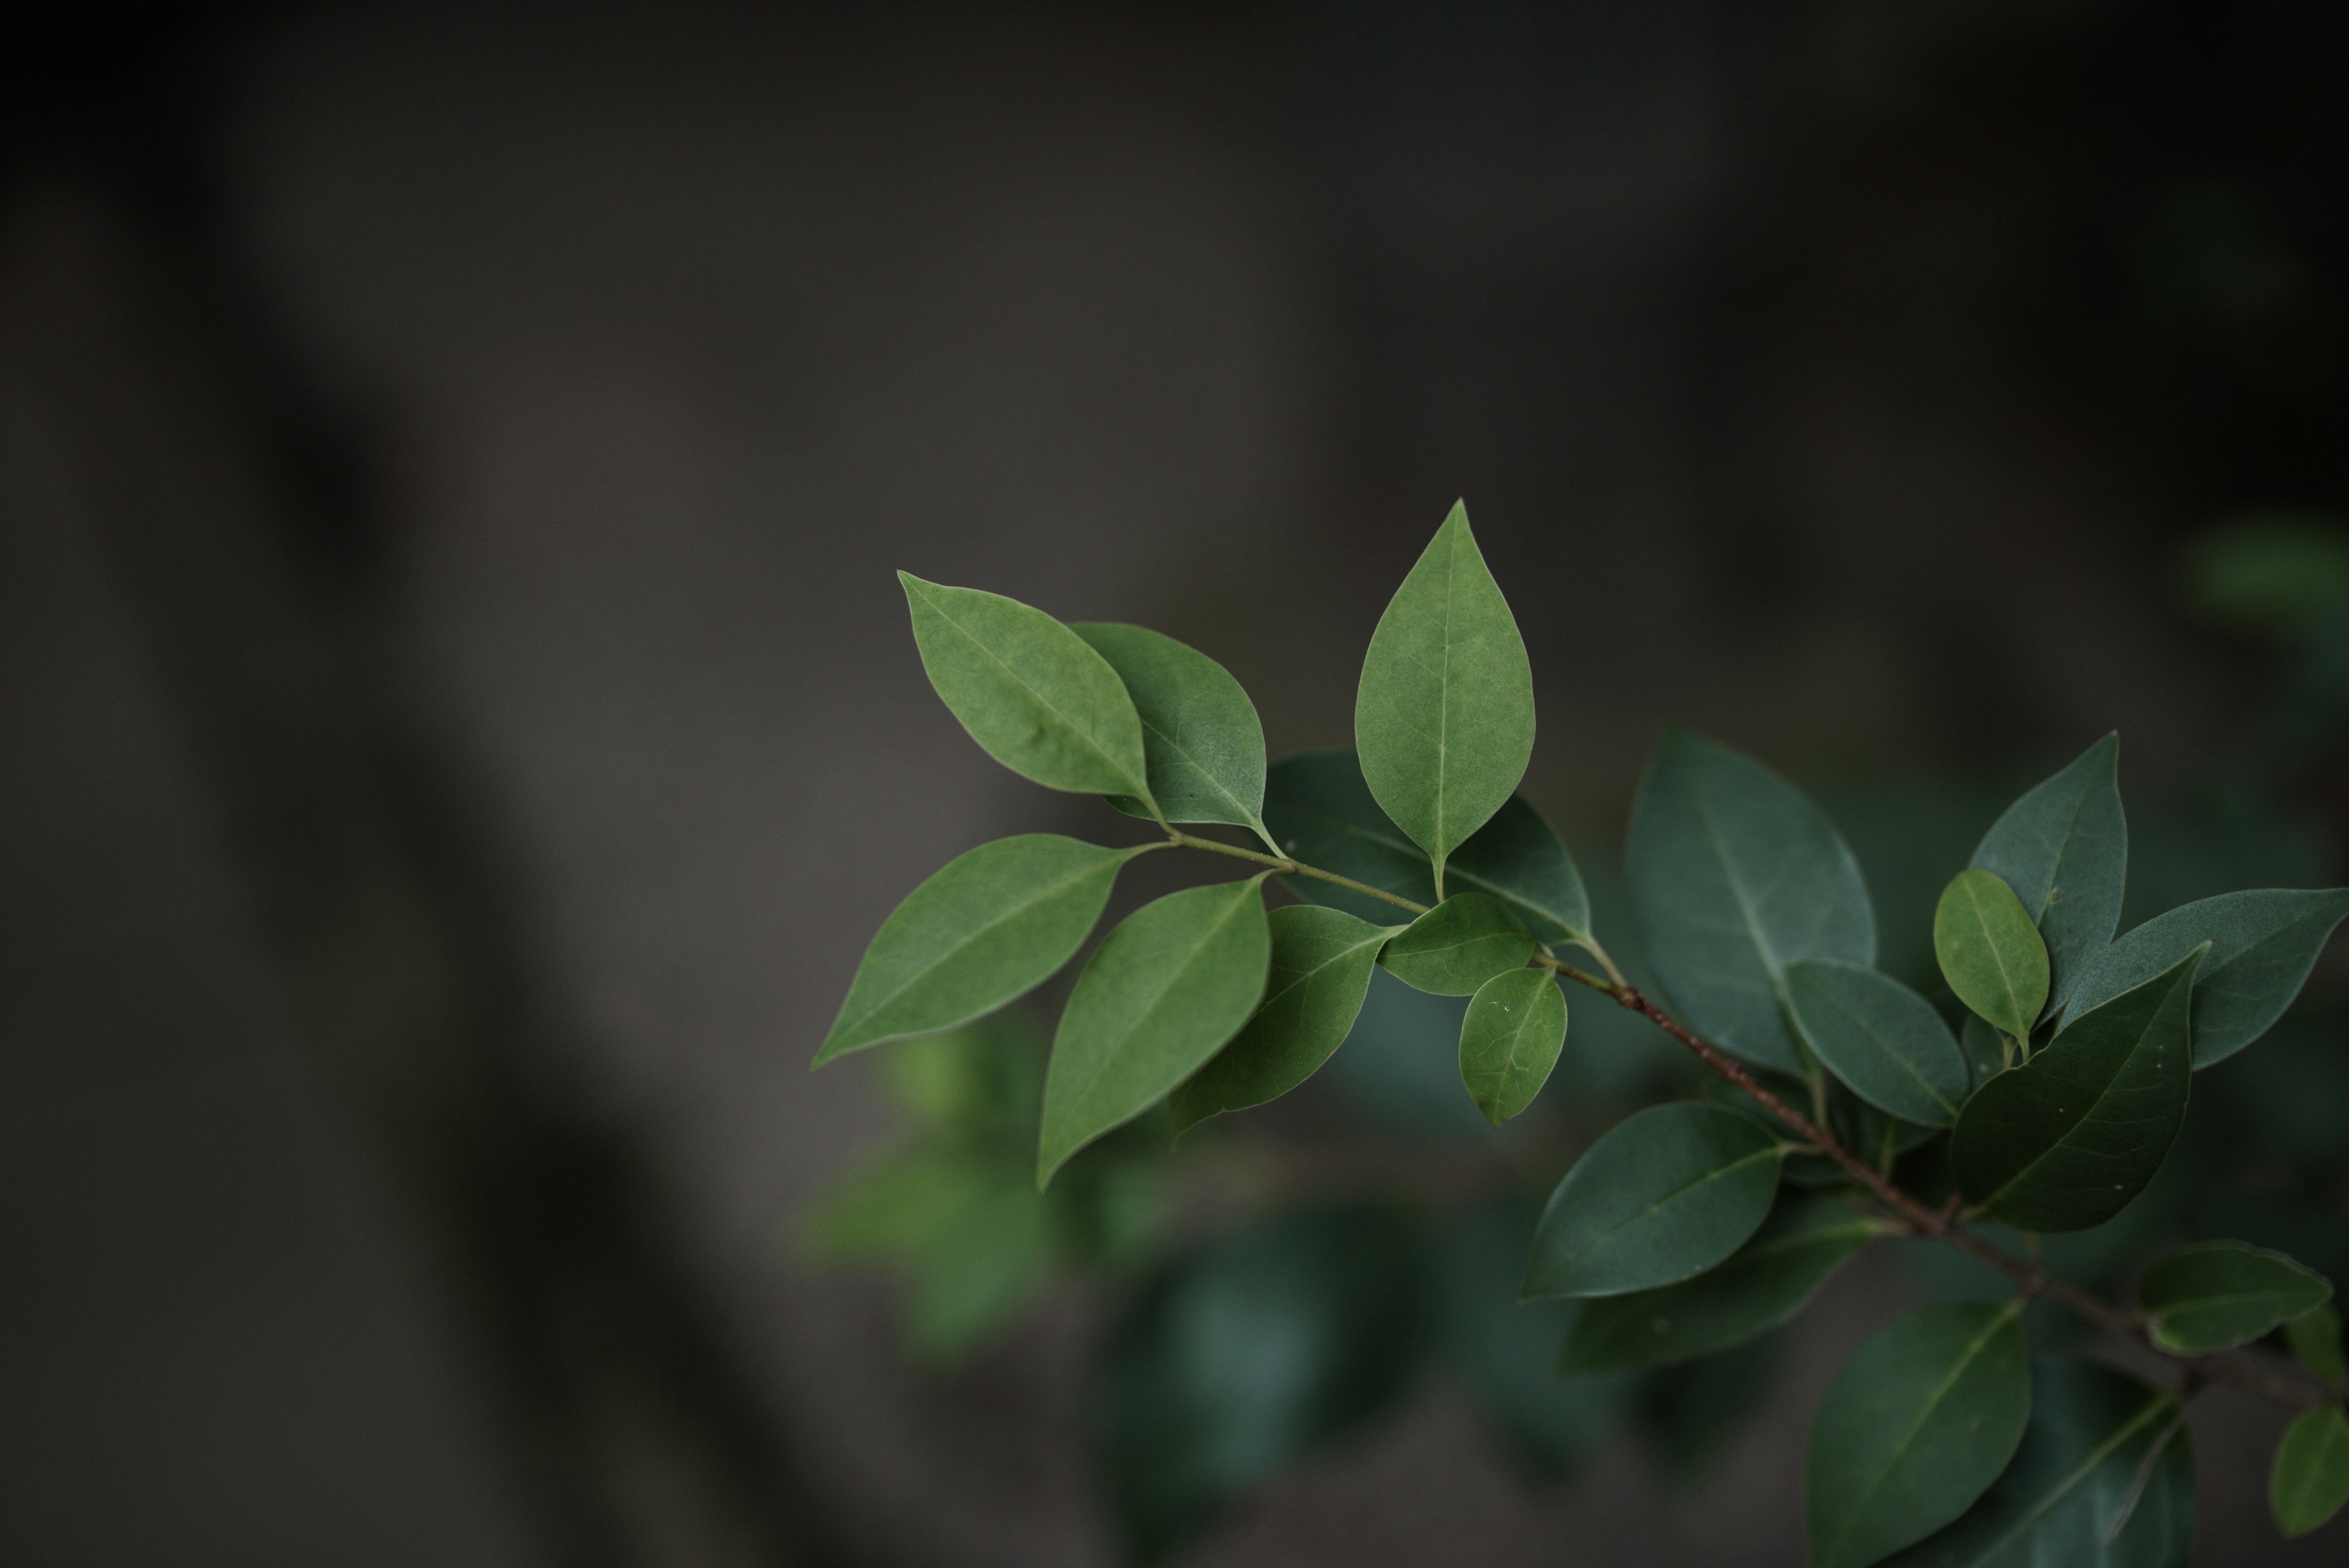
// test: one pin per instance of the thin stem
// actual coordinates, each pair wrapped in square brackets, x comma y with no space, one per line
[1590,945]
[1289,867]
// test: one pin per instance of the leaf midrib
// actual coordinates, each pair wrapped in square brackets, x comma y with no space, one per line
[1078,1096]
[1901,1062]
[2080,1121]
[1925,1413]
[1714,1174]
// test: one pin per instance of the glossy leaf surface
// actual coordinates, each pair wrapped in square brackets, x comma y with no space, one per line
[1162,993]
[1510,1040]
[2215,1295]
[990,925]
[1734,875]
[2310,1477]
[1458,945]
[1666,1194]
[1445,715]
[1882,1039]
[2063,849]
[1030,691]
[1807,1238]
[1989,951]
[2066,1140]
[1321,968]
[1913,1429]
[1202,744]
[2262,945]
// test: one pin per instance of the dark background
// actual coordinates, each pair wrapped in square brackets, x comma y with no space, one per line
[458,726]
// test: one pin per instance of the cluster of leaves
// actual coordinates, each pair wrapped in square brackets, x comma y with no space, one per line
[2048,1105]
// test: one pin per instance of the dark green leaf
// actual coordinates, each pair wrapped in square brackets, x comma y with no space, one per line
[2063,848]
[2311,1479]
[1459,945]
[1320,812]
[2262,945]
[1913,1429]
[1028,689]
[1985,1052]
[2215,1295]
[1162,993]
[1668,1193]
[1444,716]
[1807,1238]
[1201,741]
[995,922]
[1880,1038]
[1518,859]
[1510,1040]
[1398,1071]
[1692,1409]
[2066,1140]
[2315,1340]
[1322,963]
[1991,952]
[2091,1434]
[1734,875]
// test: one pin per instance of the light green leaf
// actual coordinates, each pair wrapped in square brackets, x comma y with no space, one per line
[2215,1295]
[995,922]
[1322,963]
[1882,1039]
[1991,952]
[1200,741]
[1913,1429]
[1735,874]
[1669,1192]
[2091,1433]
[2311,1479]
[1510,1040]
[1459,945]
[2315,1340]
[2063,849]
[1445,715]
[1163,993]
[2262,945]
[1807,1238]
[2066,1140]
[1028,689]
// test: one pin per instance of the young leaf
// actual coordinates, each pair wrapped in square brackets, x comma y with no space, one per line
[1669,1192]
[1459,945]
[1028,689]
[2090,1438]
[1734,875]
[1991,952]
[2217,1295]
[1807,1238]
[1913,1429]
[2066,1140]
[2315,1340]
[1445,715]
[1882,1039]
[1202,744]
[1510,1040]
[1161,994]
[2262,945]
[2311,1479]
[995,922]
[2063,849]
[1322,963]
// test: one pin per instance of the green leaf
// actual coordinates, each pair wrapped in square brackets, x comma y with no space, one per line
[1162,993]
[2215,1295]
[1882,1039]
[2315,1340]
[1200,741]
[976,1272]
[2091,1435]
[1734,875]
[1028,689]
[1459,945]
[1913,1429]
[1518,858]
[2262,945]
[1322,963]
[1764,1283]
[889,1211]
[2063,849]
[1510,1040]
[1991,952]
[1985,1052]
[1445,715]
[995,922]
[2066,1140]
[1669,1192]
[2311,1479]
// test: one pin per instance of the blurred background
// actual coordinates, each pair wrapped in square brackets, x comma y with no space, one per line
[458,726]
